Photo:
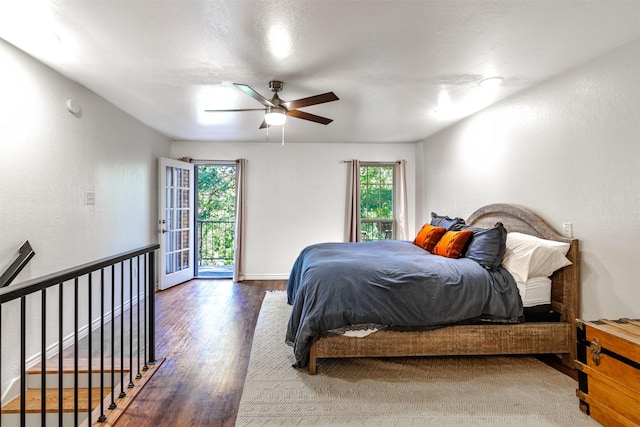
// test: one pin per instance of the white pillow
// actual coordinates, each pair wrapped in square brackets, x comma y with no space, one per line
[529,256]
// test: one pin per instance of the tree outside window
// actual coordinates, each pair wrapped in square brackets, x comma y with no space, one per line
[376,201]
[216,214]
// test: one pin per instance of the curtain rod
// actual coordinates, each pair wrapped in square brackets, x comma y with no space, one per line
[208,162]
[373,163]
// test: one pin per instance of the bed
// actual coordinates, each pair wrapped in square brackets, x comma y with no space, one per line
[503,334]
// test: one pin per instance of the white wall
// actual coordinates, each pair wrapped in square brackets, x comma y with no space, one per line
[569,149]
[48,159]
[296,194]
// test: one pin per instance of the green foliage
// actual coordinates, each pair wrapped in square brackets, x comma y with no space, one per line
[376,192]
[216,213]
[216,192]
[376,201]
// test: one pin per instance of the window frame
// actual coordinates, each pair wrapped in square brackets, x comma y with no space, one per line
[392,231]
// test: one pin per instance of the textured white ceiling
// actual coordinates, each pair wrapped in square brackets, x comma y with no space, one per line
[391,62]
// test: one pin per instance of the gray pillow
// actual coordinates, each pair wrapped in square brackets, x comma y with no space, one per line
[487,245]
[454,224]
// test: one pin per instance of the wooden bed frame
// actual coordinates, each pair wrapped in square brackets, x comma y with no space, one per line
[523,338]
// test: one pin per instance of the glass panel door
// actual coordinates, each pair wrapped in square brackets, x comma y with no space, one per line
[175,222]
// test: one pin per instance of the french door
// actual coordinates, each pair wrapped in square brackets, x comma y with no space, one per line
[175,200]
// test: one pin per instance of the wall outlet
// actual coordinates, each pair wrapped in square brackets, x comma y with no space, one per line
[567,229]
[89,197]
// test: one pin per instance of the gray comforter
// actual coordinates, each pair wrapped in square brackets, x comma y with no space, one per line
[390,283]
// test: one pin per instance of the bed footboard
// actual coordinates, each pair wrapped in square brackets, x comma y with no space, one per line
[460,340]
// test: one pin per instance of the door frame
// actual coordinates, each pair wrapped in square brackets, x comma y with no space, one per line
[196,204]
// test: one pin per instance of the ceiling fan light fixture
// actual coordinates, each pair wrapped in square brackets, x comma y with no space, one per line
[275,116]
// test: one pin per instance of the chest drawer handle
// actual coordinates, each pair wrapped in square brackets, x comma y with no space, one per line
[595,348]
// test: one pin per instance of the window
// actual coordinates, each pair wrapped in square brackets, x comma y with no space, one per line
[376,201]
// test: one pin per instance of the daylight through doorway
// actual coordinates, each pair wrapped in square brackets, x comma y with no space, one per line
[215,220]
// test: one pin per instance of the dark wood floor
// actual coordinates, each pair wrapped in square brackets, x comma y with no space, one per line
[204,330]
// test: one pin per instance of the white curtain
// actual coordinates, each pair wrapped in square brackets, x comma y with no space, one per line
[238,251]
[400,213]
[353,229]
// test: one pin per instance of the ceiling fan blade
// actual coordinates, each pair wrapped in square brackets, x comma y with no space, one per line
[233,111]
[255,95]
[311,117]
[312,100]
[264,125]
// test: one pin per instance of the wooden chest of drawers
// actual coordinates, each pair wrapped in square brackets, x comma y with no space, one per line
[609,370]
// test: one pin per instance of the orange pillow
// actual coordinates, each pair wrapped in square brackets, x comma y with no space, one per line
[452,243]
[428,236]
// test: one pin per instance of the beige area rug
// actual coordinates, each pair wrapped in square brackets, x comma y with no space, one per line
[434,391]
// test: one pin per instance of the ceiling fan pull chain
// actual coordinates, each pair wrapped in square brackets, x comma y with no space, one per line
[283,135]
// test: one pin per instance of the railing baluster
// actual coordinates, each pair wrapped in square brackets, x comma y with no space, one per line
[90,345]
[23,361]
[60,349]
[152,308]
[75,351]
[102,418]
[43,359]
[1,394]
[122,393]
[113,336]
[138,374]
[144,306]
[130,385]
[200,242]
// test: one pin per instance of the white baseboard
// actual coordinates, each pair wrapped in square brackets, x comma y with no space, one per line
[266,276]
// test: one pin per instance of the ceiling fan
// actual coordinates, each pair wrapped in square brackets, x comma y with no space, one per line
[276,110]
